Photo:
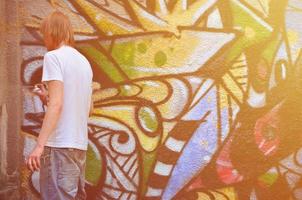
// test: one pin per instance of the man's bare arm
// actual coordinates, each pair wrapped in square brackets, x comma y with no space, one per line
[54,109]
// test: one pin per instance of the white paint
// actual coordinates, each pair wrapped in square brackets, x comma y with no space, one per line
[258,19]
[283,71]
[261,144]
[130,163]
[253,195]
[35,180]
[152,18]
[174,144]
[125,148]
[291,178]
[255,99]
[112,192]
[101,134]
[153,192]
[120,175]
[127,87]
[162,168]
[184,4]
[121,160]
[163,7]
[203,8]
[178,99]
[214,20]
[206,158]
[151,83]
[194,79]
[118,108]
[209,43]
[270,150]
[224,163]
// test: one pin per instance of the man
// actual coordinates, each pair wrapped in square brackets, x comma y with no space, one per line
[60,152]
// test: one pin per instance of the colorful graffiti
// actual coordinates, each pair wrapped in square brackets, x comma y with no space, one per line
[194,99]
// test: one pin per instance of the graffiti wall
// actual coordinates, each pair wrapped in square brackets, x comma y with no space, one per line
[194,99]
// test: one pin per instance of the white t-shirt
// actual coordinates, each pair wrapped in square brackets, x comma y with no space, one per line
[68,65]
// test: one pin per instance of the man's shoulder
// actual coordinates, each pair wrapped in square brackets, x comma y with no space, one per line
[61,50]
[52,54]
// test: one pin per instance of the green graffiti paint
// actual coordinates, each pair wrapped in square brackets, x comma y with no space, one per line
[124,53]
[160,58]
[148,119]
[93,166]
[103,63]
[142,48]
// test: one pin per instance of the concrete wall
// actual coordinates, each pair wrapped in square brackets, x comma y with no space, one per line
[10,100]
[193,99]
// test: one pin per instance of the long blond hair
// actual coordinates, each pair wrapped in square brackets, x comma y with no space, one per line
[58,27]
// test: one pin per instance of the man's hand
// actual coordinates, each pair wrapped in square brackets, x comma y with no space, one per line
[33,162]
[42,92]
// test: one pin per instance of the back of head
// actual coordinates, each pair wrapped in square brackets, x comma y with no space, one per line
[57,27]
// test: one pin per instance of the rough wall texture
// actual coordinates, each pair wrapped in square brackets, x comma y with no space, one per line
[194,99]
[10,100]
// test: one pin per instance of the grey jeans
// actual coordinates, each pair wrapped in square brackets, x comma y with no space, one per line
[62,174]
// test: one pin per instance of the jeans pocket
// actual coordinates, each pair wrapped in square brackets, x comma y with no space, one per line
[68,178]
[68,183]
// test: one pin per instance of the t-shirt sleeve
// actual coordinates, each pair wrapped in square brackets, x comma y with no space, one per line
[51,69]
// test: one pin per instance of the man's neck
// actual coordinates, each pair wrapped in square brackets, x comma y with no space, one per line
[62,44]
